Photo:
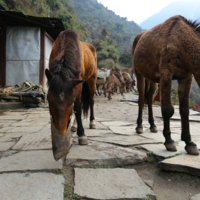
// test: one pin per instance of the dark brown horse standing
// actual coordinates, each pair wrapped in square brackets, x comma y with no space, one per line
[168,51]
[71,78]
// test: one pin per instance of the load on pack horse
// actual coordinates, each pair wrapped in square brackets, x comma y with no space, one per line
[168,51]
[72,79]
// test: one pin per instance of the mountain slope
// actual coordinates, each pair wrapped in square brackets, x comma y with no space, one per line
[96,17]
[189,10]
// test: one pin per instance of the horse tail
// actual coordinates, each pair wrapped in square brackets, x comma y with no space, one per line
[85,99]
[146,91]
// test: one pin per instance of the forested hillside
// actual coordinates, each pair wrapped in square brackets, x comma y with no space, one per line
[111,35]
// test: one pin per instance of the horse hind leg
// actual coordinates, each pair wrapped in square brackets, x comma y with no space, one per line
[183,92]
[141,85]
[150,99]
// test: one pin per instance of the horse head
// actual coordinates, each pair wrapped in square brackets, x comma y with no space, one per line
[127,77]
[118,73]
[62,93]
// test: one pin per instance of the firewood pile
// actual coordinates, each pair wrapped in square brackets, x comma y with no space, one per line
[29,94]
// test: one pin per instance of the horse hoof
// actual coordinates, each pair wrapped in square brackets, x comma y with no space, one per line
[192,149]
[154,129]
[139,130]
[83,140]
[92,126]
[73,128]
[170,146]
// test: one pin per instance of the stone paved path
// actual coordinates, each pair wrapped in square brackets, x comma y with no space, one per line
[28,170]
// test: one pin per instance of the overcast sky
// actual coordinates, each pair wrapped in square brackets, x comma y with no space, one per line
[136,10]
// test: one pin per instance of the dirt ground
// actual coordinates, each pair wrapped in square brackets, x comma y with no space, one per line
[167,185]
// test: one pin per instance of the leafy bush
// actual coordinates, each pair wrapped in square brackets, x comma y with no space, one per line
[108,63]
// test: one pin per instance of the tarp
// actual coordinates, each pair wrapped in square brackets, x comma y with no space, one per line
[22,55]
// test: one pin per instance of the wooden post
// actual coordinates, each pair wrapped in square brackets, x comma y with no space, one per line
[2,53]
[42,58]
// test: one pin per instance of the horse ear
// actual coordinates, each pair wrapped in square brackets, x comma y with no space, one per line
[48,75]
[76,82]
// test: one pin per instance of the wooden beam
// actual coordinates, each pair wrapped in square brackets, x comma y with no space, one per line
[42,58]
[49,37]
[2,54]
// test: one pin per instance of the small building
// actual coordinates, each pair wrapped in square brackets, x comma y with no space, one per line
[26,44]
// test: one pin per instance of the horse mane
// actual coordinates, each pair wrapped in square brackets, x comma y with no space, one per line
[67,67]
[191,23]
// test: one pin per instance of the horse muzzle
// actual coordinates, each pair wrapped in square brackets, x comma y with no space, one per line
[60,143]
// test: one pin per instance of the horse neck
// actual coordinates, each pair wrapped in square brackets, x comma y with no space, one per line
[117,81]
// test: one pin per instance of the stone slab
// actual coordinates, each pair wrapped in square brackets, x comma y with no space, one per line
[149,183]
[31,186]
[33,129]
[160,150]
[129,100]
[117,123]
[183,163]
[99,125]
[99,119]
[123,130]
[31,123]
[95,133]
[35,141]
[111,184]
[101,154]
[158,137]
[124,140]
[195,197]
[12,117]
[4,146]
[30,160]
[6,153]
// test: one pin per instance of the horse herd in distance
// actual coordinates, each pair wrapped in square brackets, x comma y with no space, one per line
[113,80]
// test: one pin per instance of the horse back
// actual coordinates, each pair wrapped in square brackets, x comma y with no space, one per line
[88,61]
[166,41]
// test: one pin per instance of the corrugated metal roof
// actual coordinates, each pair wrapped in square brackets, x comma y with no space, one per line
[53,26]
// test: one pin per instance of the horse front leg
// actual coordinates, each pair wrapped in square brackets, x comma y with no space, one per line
[141,85]
[167,109]
[183,93]
[82,138]
[150,99]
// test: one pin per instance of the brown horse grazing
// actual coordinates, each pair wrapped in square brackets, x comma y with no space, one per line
[72,79]
[168,51]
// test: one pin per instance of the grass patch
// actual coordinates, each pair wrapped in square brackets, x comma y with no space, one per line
[58,171]
[67,191]
[76,196]
[152,160]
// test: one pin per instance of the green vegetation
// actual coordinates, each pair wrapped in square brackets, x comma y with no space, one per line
[49,8]
[110,34]
[67,191]
[152,160]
